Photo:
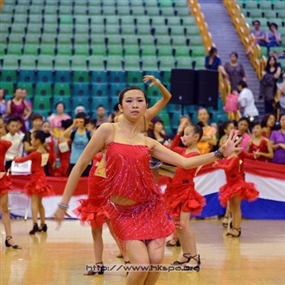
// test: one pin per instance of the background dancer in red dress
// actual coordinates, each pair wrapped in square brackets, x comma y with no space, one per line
[5,185]
[37,187]
[182,199]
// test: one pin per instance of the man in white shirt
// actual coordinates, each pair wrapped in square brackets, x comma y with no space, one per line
[16,149]
[246,101]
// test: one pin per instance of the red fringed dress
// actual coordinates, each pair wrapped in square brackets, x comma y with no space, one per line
[236,184]
[91,209]
[262,147]
[129,176]
[38,184]
[180,194]
[5,183]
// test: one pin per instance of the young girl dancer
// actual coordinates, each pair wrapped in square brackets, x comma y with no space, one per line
[182,199]
[4,187]
[259,145]
[224,133]
[236,189]
[135,204]
[38,187]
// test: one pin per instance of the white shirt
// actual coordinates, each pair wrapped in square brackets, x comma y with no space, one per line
[246,100]
[16,149]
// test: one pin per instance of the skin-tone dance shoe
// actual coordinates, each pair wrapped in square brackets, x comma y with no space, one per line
[7,244]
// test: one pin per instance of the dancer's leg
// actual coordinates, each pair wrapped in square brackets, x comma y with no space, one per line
[97,243]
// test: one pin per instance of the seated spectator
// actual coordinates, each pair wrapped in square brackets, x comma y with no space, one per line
[209,138]
[273,37]
[268,84]
[278,139]
[282,97]
[36,122]
[259,35]
[55,121]
[213,62]
[16,149]
[268,125]
[259,145]
[101,118]
[2,104]
[246,102]
[235,71]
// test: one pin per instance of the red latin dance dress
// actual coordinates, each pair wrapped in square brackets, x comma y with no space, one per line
[5,183]
[236,184]
[62,170]
[91,209]
[262,147]
[129,176]
[38,184]
[180,194]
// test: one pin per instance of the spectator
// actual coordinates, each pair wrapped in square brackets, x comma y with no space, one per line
[268,84]
[29,103]
[259,35]
[116,112]
[246,101]
[278,139]
[157,131]
[209,138]
[55,121]
[258,145]
[36,121]
[213,62]
[79,136]
[235,71]
[273,37]
[17,107]
[16,149]
[268,125]
[79,109]
[101,118]
[282,97]
[243,130]
[2,103]
[224,131]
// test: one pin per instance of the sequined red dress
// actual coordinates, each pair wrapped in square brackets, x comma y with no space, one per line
[236,184]
[38,184]
[91,209]
[180,194]
[262,147]
[5,183]
[129,175]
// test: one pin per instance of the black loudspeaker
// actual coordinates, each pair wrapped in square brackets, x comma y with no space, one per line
[182,86]
[206,88]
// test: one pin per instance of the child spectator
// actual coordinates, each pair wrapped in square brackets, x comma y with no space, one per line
[259,145]
[243,131]
[16,149]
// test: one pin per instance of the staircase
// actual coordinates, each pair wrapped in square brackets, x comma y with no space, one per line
[227,40]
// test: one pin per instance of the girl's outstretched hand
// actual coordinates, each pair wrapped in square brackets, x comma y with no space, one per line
[231,144]
[152,79]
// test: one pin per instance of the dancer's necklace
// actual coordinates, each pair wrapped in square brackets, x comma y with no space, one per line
[126,133]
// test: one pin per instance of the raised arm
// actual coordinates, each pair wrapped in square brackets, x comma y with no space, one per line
[159,105]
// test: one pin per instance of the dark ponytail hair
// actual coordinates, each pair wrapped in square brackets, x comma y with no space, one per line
[40,135]
[122,93]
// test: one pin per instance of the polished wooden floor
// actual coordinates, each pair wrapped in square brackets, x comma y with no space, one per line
[59,256]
